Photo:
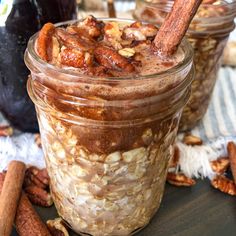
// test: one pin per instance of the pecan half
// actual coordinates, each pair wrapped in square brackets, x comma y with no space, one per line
[220,166]
[180,180]
[6,130]
[231,147]
[192,140]
[45,42]
[111,59]
[75,58]
[92,26]
[57,228]
[76,41]
[139,31]
[224,184]
[127,52]
[39,196]
[36,177]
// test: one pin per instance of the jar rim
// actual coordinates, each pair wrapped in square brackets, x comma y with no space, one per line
[223,3]
[32,54]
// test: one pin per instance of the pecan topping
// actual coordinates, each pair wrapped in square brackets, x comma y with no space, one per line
[112,60]
[75,58]
[180,180]
[92,26]
[57,228]
[224,184]
[127,52]
[220,166]
[74,40]
[45,44]
[37,177]
[39,196]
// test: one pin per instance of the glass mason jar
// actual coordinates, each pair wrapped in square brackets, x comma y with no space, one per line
[107,141]
[208,34]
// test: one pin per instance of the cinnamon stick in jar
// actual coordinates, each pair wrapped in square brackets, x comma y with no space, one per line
[27,221]
[9,198]
[175,26]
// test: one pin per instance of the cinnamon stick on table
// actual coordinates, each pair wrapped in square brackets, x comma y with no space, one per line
[27,221]
[9,198]
[175,26]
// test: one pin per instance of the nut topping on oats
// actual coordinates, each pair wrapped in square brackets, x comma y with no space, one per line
[103,49]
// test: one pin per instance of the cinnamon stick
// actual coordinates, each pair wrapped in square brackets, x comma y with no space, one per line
[27,221]
[175,26]
[10,196]
[111,9]
[231,147]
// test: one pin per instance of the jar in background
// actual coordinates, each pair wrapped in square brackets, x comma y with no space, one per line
[208,34]
[107,141]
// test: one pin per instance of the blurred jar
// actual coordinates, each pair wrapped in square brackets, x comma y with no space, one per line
[208,34]
[20,19]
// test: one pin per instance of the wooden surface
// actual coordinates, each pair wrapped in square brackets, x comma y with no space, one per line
[197,211]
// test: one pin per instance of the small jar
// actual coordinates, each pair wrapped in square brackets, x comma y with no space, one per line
[208,34]
[107,141]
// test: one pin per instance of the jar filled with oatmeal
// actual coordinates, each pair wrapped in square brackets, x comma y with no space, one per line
[208,34]
[107,126]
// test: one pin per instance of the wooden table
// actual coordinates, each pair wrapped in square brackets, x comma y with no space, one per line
[197,211]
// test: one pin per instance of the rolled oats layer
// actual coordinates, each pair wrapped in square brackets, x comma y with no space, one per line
[106,194]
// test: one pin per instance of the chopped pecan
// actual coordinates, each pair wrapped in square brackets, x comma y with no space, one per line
[112,35]
[45,42]
[141,46]
[175,158]
[37,140]
[6,130]
[92,26]
[192,140]
[36,177]
[220,165]
[127,52]
[224,184]
[74,40]
[139,31]
[57,228]
[112,60]
[75,58]
[39,196]
[112,30]
[231,147]
[180,180]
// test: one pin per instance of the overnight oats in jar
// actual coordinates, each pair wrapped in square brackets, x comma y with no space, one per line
[208,34]
[108,111]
